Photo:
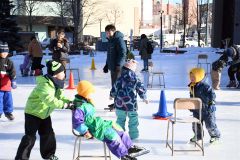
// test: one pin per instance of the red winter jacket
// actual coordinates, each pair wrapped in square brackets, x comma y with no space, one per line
[7,74]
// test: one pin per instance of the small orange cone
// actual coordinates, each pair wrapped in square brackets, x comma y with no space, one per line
[93,65]
[71,81]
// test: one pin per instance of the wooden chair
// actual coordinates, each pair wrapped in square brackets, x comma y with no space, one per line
[77,147]
[203,60]
[186,104]
[153,73]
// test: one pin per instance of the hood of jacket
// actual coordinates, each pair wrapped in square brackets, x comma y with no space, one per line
[118,34]
[128,75]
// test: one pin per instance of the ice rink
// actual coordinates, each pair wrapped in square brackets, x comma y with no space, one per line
[152,132]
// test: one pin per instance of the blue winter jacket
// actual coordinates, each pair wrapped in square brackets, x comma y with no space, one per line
[205,92]
[116,53]
[125,91]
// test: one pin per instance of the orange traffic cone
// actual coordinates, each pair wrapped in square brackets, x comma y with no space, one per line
[93,65]
[71,81]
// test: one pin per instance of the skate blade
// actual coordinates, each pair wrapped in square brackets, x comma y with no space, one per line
[139,153]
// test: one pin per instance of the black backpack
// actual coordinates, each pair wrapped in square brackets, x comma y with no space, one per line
[149,48]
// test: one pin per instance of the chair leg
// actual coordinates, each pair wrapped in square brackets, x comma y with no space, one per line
[163,80]
[77,147]
[167,134]
[172,138]
[105,152]
[195,125]
[202,138]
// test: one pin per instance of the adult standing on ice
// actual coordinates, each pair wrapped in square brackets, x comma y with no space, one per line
[116,53]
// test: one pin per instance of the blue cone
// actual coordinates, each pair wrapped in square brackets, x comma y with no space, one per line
[162,110]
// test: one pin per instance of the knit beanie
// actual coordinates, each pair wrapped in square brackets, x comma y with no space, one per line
[85,88]
[54,67]
[131,64]
[198,73]
[4,47]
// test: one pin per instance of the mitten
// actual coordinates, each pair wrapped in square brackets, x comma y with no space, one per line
[105,68]
[14,84]
[70,106]
[88,135]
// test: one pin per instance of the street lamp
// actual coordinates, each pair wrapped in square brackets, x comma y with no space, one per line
[161,33]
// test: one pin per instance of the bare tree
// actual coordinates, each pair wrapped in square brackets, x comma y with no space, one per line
[83,14]
[114,15]
[61,9]
[28,7]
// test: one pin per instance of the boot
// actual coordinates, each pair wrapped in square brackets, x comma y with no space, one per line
[232,84]
[9,116]
[31,72]
[135,149]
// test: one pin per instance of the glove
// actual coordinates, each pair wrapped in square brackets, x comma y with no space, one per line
[70,106]
[110,98]
[88,135]
[105,68]
[14,84]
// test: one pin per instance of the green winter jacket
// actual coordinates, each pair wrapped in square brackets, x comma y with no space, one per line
[44,98]
[84,120]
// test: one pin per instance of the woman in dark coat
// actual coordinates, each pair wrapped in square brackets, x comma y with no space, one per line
[60,48]
[143,52]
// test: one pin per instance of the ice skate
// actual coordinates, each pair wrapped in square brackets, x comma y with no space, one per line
[232,84]
[136,151]
[127,157]
[9,116]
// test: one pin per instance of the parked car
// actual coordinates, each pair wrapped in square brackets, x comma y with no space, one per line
[191,42]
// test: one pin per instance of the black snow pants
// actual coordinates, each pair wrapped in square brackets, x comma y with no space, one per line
[47,138]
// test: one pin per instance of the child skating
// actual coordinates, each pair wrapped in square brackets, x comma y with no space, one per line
[87,124]
[200,89]
[124,92]
[25,67]
[45,97]
[7,81]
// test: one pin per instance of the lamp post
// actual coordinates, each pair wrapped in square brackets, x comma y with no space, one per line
[100,20]
[161,33]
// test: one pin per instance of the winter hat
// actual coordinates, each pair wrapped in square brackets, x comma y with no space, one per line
[231,52]
[85,88]
[4,47]
[54,68]
[131,64]
[198,73]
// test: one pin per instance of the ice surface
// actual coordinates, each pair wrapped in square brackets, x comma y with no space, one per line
[152,132]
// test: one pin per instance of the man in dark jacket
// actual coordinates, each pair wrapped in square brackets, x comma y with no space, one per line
[116,52]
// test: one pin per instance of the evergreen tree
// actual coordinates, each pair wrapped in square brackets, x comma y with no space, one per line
[8,26]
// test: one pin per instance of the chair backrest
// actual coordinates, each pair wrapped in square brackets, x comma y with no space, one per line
[202,57]
[187,103]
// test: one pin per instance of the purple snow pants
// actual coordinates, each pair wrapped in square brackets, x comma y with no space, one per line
[120,146]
